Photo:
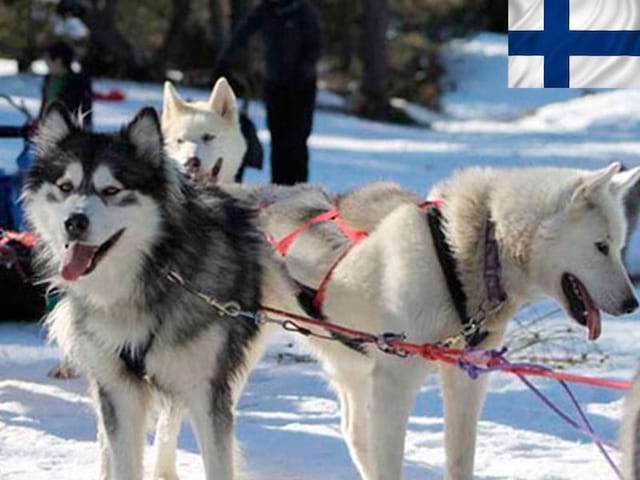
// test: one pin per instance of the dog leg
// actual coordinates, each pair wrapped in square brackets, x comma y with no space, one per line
[375,413]
[353,399]
[121,414]
[211,413]
[166,441]
[393,392]
[463,400]
[104,465]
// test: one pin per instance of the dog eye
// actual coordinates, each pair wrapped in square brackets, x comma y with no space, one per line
[179,141]
[207,137]
[110,191]
[603,247]
[66,187]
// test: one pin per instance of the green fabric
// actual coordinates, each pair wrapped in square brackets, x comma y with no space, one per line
[51,300]
[56,86]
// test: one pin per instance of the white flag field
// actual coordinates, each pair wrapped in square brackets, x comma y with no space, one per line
[574,43]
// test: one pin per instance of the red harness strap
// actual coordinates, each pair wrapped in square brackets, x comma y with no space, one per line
[27,239]
[355,236]
[9,255]
[282,246]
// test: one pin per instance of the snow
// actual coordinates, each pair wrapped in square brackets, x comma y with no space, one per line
[288,418]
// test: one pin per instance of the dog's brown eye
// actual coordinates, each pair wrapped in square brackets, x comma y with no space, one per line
[179,141]
[110,191]
[207,137]
[603,247]
[66,187]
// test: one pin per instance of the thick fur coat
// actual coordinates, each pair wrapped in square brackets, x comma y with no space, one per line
[135,335]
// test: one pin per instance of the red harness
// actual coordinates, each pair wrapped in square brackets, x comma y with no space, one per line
[9,255]
[355,237]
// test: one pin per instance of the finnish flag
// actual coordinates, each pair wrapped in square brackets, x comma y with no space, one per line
[574,43]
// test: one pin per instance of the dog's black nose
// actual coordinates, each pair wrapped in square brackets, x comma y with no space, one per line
[193,164]
[76,225]
[630,305]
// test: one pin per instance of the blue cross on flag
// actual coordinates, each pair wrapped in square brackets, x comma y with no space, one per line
[574,43]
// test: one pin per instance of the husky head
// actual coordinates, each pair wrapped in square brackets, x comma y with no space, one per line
[576,251]
[95,200]
[204,137]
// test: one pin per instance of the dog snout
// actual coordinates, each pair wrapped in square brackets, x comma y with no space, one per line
[193,164]
[630,305]
[77,225]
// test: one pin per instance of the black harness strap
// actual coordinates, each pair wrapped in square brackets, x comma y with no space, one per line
[449,269]
[305,300]
[135,359]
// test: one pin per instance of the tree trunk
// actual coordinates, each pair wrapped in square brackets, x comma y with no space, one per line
[242,60]
[497,13]
[347,19]
[220,24]
[179,15]
[374,79]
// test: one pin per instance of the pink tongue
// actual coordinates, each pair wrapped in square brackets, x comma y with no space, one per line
[594,322]
[77,261]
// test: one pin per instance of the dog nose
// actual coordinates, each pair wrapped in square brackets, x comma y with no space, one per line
[76,225]
[193,164]
[630,305]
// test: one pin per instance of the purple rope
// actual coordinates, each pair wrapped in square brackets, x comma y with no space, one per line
[474,371]
[586,422]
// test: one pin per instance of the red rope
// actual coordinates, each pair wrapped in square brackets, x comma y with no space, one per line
[451,356]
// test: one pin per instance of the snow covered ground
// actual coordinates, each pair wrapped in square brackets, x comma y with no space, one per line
[288,419]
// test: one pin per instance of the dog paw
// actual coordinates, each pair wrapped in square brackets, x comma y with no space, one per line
[62,372]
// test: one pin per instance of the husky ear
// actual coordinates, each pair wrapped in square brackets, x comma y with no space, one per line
[223,100]
[172,102]
[56,124]
[145,134]
[622,182]
[592,182]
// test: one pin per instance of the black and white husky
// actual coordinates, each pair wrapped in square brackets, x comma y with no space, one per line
[113,216]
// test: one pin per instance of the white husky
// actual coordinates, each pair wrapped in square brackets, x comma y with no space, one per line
[204,137]
[559,234]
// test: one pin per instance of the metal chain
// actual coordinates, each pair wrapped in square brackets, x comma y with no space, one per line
[233,309]
[476,323]
[385,342]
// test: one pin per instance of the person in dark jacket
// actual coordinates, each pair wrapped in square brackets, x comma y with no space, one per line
[293,43]
[64,85]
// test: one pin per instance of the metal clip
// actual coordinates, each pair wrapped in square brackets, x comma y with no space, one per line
[259,318]
[471,328]
[231,309]
[175,278]
[384,342]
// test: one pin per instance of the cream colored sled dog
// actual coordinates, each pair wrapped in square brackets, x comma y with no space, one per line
[204,137]
[559,233]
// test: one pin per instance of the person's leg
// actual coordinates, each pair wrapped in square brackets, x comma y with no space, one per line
[275,101]
[300,118]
